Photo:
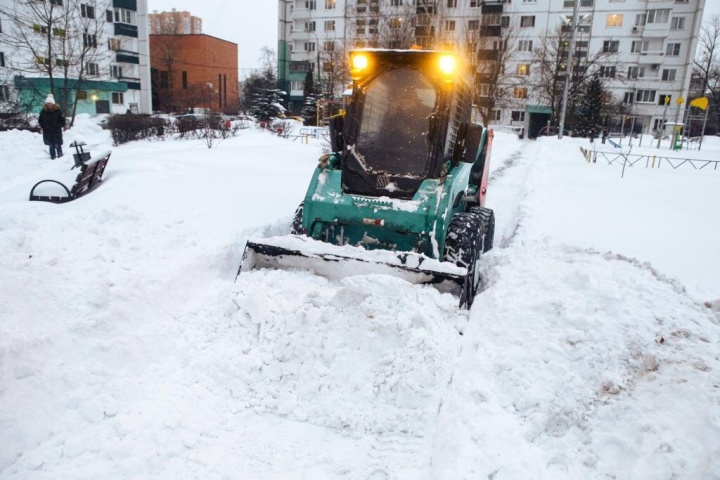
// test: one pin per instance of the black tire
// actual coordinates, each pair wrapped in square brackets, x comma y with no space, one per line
[463,247]
[297,226]
[489,231]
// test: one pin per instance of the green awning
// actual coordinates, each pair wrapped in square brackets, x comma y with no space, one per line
[44,83]
[538,109]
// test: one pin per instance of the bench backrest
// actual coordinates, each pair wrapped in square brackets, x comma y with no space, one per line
[89,177]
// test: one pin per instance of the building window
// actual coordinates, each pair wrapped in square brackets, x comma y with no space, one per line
[520,92]
[81,95]
[42,61]
[525,46]
[614,20]
[330,4]
[89,41]
[629,97]
[632,72]
[490,20]
[645,96]
[395,23]
[473,25]
[59,3]
[115,71]
[87,11]
[677,23]
[329,25]
[123,15]
[109,16]
[484,90]
[475,3]
[583,3]
[92,69]
[396,3]
[658,16]
[527,21]
[496,115]
[451,3]
[517,116]
[529,1]
[663,99]
[611,46]
[310,4]
[164,80]
[607,72]
[60,62]
[184,80]
[522,69]
[637,46]
[297,85]
[505,21]
[114,44]
[450,25]
[309,26]
[673,49]
[309,46]
[118,98]
[4,93]
[668,75]
[2,59]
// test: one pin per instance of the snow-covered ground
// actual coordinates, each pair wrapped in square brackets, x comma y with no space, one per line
[128,350]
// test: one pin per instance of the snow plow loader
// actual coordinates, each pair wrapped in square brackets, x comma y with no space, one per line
[403,191]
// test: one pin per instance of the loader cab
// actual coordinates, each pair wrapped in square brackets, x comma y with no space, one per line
[397,130]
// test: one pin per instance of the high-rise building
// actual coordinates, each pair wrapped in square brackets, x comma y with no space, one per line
[641,50]
[174,22]
[98,57]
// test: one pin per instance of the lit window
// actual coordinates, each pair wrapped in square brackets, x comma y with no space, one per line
[523,69]
[330,4]
[614,20]
[520,92]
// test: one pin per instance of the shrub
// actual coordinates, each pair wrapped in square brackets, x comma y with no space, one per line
[128,127]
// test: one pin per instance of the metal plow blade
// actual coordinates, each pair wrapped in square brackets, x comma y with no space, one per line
[335,262]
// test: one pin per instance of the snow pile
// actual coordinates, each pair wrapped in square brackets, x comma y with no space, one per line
[129,350]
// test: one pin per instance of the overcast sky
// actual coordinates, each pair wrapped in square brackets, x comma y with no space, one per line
[252,24]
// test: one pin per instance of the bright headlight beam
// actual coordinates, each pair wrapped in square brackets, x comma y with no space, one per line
[360,62]
[447,64]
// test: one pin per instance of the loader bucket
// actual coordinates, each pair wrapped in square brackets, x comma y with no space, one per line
[335,262]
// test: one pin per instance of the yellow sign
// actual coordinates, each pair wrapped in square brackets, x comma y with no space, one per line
[680,101]
[701,103]
[667,99]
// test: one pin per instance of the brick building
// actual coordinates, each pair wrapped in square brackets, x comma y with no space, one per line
[193,71]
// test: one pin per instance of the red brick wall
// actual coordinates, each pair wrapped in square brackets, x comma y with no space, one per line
[205,60]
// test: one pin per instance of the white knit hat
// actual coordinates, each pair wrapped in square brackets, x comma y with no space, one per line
[50,99]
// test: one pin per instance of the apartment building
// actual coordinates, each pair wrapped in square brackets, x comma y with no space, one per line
[99,57]
[174,22]
[642,49]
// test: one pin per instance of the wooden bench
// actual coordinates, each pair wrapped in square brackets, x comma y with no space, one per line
[87,180]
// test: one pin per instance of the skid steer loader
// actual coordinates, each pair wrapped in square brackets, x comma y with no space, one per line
[403,191]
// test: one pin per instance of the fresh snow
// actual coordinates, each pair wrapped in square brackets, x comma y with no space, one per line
[128,348]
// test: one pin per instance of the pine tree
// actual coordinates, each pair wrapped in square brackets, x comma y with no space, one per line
[590,108]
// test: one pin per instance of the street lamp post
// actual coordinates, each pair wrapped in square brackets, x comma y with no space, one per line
[569,67]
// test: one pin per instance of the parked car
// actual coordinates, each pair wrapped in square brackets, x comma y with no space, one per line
[551,132]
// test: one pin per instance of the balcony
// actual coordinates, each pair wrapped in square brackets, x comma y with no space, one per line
[490,30]
[652,58]
[492,7]
[127,57]
[488,55]
[126,30]
[128,4]
[656,30]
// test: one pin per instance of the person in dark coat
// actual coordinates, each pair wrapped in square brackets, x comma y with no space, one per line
[52,122]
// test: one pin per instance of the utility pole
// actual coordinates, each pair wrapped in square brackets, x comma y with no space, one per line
[569,68]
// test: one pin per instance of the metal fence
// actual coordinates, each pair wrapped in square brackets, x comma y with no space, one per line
[650,160]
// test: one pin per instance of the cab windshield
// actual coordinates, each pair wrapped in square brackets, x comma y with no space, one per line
[393,136]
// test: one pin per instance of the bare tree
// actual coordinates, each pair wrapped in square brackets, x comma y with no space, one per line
[550,68]
[168,54]
[57,40]
[707,64]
